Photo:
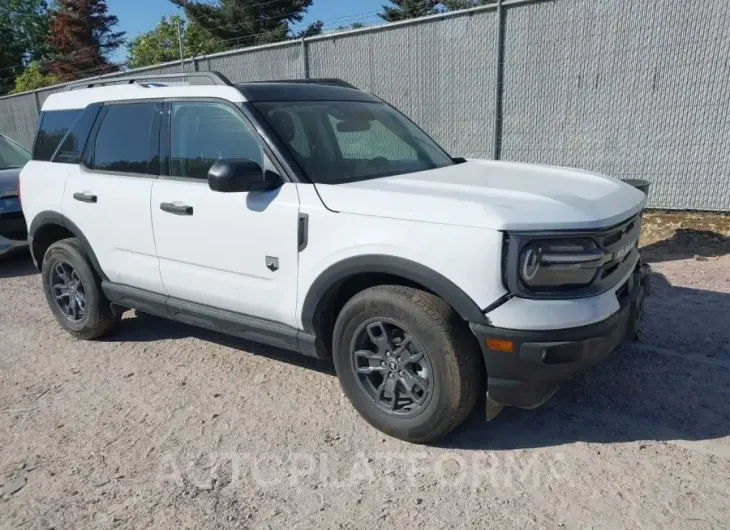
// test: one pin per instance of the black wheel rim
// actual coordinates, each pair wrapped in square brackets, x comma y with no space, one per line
[68,291]
[392,367]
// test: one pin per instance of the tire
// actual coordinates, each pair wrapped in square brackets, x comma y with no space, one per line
[97,318]
[450,365]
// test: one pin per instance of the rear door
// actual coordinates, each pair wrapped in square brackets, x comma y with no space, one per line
[108,195]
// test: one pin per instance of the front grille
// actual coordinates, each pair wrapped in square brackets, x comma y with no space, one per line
[616,234]
[620,243]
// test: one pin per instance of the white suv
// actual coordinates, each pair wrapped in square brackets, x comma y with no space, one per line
[315,217]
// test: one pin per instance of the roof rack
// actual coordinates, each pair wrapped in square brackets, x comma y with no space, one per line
[323,81]
[193,78]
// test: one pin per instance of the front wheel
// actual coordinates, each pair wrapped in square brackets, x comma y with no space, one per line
[407,362]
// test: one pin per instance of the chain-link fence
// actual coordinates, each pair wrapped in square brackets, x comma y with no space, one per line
[633,89]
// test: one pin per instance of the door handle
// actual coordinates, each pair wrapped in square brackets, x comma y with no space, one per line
[182,209]
[85,197]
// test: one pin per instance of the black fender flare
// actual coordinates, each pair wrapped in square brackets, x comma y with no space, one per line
[383,264]
[54,218]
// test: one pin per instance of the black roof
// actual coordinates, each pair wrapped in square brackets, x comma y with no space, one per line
[325,89]
[301,91]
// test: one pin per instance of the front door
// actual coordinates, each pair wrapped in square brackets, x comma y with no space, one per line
[233,251]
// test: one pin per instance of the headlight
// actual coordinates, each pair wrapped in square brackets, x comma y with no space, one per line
[547,265]
[562,265]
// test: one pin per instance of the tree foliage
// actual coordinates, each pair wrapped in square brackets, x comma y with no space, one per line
[24,26]
[32,78]
[405,9]
[249,22]
[453,5]
[161,44]
[310,31]
[30,22]
[11,57]
[83,37]
[354,25]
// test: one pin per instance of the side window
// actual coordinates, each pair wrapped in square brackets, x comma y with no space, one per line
[53,127]
[73,145]
[369,140]
[123,142]
[203,133]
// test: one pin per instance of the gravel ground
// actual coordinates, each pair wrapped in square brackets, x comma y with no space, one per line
[166,426]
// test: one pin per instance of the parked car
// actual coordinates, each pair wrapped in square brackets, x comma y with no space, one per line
[315,217]
[13,231]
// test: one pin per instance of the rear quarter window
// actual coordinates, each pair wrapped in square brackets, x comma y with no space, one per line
[73,145]
[52,129]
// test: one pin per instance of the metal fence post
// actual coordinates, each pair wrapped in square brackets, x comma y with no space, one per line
[37,102]
[499,83]
[305,59]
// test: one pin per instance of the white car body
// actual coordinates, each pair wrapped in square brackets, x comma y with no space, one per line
[269,211]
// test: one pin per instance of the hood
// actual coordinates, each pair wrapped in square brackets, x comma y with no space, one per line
[9,180]
[495,195]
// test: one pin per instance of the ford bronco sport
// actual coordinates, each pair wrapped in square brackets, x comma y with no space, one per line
[315,217]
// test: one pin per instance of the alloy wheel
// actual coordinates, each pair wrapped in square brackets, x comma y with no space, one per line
[392,367]
[68,291]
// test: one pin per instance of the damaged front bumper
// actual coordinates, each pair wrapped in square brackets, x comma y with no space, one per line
[540,361]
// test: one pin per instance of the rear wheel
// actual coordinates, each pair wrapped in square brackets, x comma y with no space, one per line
[73,291]
[407,362]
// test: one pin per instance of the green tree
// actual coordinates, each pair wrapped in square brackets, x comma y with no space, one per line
[32,78]
[11,57]
[453,5]
[354,25]
[83,37]
[405,9]
[161,44]
[249,22]
[31,24]
[24,29]
[310,31]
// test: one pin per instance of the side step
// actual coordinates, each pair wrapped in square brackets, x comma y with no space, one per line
[220,320]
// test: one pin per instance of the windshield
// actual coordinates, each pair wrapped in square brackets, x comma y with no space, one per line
[11,154]
[346,141]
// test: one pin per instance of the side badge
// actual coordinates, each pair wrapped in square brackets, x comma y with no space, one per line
[272,263]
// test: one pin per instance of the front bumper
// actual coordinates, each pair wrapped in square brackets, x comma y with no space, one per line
[540,361]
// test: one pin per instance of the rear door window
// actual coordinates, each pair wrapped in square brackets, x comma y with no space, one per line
[53,127]
[123,143]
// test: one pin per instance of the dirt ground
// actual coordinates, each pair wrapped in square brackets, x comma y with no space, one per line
[166,426]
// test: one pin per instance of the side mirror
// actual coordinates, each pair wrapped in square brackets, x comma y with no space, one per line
[239,175]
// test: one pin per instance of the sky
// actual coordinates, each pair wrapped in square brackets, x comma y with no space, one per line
[138,16]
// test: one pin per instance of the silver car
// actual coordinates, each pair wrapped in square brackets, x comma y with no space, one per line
[13,231]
